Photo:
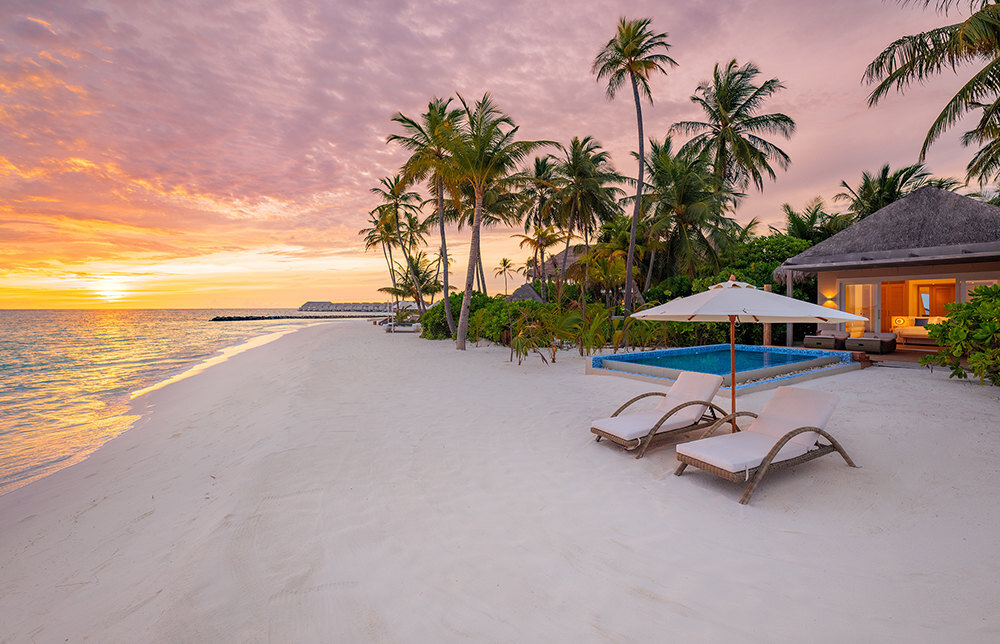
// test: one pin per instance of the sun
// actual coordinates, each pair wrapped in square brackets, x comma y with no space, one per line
[110,289]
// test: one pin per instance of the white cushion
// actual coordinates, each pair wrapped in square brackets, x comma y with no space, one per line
[688,386]
[790,408]
[637,425]
[738,452]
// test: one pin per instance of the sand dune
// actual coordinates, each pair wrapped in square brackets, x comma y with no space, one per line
[342,484]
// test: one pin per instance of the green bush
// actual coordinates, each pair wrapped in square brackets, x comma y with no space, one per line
[970,334]
[434,325]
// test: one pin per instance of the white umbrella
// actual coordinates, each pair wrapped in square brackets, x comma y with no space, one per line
[734,302]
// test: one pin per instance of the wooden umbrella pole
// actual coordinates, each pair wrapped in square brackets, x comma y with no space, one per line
[732,367]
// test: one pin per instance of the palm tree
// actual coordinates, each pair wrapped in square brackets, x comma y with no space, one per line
[379,234]
[916,58]
[535,207]
[427,141]
[398,203]
[586,198]
[633,55]
[876,191]
[732,132]
[814,223]
[506,268]
[484,152]
[422,269]
[686,203]
[539,241]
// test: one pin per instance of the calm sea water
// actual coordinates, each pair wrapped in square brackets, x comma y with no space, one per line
[66,376]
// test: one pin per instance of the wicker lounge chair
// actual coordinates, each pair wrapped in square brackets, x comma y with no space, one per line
[687,405]
[825,339]
[873,343]
[785,433]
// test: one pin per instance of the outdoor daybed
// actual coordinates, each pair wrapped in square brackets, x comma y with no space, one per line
[785,433]
[872,343]
[687,405]
[825,339]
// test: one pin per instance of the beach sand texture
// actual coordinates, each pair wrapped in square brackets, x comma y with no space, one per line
[341,484]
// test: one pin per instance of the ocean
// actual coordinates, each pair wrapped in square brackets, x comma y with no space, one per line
[66,377]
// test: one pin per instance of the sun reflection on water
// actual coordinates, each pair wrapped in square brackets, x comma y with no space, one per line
[66,376]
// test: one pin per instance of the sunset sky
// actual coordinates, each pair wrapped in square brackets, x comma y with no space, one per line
[220,154]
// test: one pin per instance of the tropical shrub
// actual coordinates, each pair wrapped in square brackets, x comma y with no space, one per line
[970,334]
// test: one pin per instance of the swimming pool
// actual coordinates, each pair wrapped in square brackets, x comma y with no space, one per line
[754,364]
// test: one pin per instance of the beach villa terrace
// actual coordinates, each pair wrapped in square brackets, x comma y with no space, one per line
[903,264]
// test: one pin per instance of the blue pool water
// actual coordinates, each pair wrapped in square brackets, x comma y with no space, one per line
[717,361]
[755,365]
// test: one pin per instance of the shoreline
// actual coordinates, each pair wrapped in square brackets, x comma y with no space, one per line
[132,410]
[343,483]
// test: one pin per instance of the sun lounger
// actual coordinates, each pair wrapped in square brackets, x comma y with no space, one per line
[873,343]
[785,433]
[825,339]
[687,405]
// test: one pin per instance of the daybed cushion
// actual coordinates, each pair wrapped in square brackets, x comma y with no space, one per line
[792,407]
[739,451]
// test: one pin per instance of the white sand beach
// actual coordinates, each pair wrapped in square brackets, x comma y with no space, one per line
[345,485]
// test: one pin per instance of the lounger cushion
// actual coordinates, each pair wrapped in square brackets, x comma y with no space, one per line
[739,451]
[637,425]
[790,408]
[690,386]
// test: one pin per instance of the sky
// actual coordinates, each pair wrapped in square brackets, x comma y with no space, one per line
[220,154]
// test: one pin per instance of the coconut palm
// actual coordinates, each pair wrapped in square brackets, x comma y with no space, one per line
[485,153]
[732,132]
[814,223]
[686,204]
[423,270]
[586,195]
[633,55]
[426,140]
[916,58]
[380,234]
[398,203]
[541,239]
[876,191]
[535,208]
[507,269]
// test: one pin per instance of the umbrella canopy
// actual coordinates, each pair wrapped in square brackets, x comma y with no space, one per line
[734,302]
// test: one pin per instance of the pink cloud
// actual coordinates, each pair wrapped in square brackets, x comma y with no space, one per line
[260,122]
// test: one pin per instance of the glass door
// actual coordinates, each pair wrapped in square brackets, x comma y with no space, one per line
[861,299]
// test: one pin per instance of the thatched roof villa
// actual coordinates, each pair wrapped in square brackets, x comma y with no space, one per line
[900,266]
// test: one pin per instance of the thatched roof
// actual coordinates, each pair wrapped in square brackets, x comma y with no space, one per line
[524,292]
[928,226]
[553,263]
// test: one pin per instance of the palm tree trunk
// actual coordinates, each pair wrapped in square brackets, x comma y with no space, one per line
[586,273]
[444,258]
[409,267]
[463,317]
[392,271]
[638,198]
[649,272]
[544,281]
[482,275]
[569,236]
